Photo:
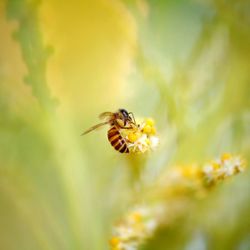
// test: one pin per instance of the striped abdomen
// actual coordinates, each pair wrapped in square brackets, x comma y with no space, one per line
[116,140]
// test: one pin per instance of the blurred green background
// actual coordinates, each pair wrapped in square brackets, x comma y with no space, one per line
[184,63]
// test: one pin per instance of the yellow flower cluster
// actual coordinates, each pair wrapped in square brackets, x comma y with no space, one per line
[142,138]
[175,191]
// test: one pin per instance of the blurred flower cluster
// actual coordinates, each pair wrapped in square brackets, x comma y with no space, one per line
[175,190]
[221,168]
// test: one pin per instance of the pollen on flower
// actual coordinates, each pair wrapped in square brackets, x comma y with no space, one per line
[150,122]
[215,165]
[226,156]
[147,129]
[153,130]
[114,242]
[142,138]
[136,216]
[133,136]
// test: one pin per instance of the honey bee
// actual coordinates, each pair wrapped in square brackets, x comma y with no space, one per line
[122,119]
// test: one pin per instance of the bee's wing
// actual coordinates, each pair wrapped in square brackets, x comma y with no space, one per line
[95,127]
[106,115]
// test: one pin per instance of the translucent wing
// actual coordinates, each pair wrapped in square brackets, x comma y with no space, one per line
[106,115]
[95,127]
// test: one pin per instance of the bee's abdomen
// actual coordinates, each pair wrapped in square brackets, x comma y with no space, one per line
[116,140]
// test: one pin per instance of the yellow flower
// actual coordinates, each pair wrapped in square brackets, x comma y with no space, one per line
[142,138]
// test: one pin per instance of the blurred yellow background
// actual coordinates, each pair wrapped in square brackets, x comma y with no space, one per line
[184,63]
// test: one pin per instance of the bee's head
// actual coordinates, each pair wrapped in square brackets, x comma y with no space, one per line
[125,115]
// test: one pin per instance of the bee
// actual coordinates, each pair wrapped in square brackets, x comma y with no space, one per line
[122,119]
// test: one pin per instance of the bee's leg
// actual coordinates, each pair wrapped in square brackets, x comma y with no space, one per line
[133,117]
[130,127]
